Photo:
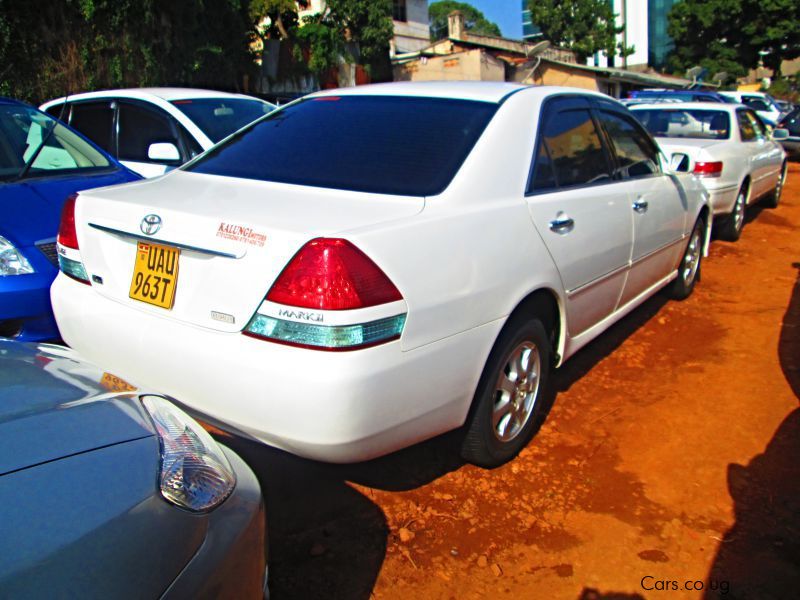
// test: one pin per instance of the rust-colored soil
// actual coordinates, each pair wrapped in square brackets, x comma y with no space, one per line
[671,454]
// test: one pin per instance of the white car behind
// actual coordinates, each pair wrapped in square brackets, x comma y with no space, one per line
[728,148]
[152,130]
[367,268]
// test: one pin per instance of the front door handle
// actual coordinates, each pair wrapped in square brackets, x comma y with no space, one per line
[562,223]
[640,205]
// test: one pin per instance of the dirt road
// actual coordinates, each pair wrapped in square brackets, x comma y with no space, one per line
[669,466]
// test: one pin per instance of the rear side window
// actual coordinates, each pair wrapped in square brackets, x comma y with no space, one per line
[569,152]
[755,103]
[94,120]
[634,150]
[383,144]
[746,126]
[138,128]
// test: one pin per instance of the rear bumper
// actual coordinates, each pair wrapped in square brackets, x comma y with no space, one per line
[25,312]
[330,406]
[722,199]
[232,560]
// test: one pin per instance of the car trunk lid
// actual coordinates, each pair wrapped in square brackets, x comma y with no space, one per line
[235,236]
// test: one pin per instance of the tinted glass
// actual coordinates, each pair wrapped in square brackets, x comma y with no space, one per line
[138,128]
[634,150]
[389,145]
[574,147]
[683,123]
[220,117]
[94,120]
[792,122]
[746,126]
[758,125]
[755,103]
[543,176]
[22,132]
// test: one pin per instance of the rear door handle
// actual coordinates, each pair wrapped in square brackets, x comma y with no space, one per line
[640,205]
[562,223]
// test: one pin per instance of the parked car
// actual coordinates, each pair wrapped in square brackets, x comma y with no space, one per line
[108,491]
[152,130]
[653,96]
[728,148]
[423,266]
[763,104]
[41,163]
[791,123]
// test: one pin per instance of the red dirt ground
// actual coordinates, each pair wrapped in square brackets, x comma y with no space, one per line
[670,456]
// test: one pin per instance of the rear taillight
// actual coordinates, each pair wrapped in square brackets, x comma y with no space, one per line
[67,234]
[330,275]
[69,257]
[708,169]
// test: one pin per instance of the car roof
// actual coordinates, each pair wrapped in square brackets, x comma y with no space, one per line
[481,91]
[685,106]
[164,93]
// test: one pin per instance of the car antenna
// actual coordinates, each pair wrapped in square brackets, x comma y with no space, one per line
[45,139]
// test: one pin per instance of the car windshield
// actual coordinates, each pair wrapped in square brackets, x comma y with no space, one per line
[686,123]
[24,129]
[220,117]
[383,144]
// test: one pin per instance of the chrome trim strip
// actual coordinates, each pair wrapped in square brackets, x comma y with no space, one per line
[142,238]
[597,280]
[630,264]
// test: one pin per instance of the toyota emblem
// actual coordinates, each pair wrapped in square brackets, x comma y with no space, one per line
[150,224]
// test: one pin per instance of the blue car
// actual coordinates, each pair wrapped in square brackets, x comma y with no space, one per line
[42,162]
[107,491]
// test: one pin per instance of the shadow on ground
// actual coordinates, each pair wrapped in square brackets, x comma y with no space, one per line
[759,557]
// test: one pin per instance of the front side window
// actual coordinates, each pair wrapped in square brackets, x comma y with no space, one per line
[34,143]
[382,144]
[758,125]
[685,123]
[569,145]
[635,152]
[139,127]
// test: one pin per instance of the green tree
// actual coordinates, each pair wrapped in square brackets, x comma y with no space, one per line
[583,26]
[474,20]
[773,30]
[734,35]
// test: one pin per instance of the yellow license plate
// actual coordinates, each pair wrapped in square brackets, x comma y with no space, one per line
[115,384]
[155,274]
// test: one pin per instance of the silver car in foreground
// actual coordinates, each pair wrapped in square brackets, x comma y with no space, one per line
[110,492]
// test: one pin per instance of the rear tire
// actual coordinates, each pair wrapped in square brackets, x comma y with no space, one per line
[512,395]
[689,267]
[731,226]
[774,198]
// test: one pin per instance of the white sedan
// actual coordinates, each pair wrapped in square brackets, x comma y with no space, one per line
[728,148]
[367,268]
[151,130]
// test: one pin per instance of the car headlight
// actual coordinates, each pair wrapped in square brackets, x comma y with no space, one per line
[11,260]
[195,474]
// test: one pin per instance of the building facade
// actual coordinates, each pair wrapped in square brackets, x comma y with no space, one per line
[645,30]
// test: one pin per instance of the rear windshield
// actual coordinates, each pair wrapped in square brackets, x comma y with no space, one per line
[220,117]
[683,123]
[403,145]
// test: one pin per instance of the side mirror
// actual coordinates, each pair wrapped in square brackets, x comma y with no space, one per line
[780,134]
[679,162]
[163,151]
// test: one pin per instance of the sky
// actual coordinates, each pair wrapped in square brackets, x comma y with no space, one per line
[506,13]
